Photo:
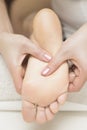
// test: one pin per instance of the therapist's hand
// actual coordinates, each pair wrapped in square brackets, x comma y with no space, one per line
[75,50]
[14,48]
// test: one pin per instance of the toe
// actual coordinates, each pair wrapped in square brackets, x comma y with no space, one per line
[41,116]
[54,107]
[49,114]
[61,99]
[28,111]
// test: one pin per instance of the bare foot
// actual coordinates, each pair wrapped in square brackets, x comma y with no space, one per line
[42,95]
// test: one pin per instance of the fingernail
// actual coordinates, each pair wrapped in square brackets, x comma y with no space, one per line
[45,71]
[47,57]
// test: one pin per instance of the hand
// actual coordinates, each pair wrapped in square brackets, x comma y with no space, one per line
[14,48]
[75,50]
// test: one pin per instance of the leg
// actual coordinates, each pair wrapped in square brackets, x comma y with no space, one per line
[45,91]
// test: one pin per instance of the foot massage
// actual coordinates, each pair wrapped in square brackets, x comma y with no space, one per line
[44,49]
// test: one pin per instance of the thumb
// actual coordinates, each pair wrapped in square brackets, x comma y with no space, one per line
[37,51]
[62,56]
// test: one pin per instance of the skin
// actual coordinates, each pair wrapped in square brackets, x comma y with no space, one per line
[14,49]
[46,92]
[16,46]
[22,23]
[18,52]
[75,50]
[20,14]
[22,26]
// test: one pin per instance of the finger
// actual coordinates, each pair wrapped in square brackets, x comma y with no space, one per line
[16,71]
[77,72]
[17,74]
[37,52]
[77,84]
[71,85]
[72,77]
[62,56]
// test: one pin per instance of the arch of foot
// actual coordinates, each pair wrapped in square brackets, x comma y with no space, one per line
[45,92]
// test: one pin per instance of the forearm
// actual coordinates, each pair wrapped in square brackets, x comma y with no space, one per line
[5,25]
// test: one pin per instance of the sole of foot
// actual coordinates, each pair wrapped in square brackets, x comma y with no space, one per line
[45,93]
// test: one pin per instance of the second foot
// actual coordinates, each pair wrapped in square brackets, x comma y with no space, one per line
[34,113]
